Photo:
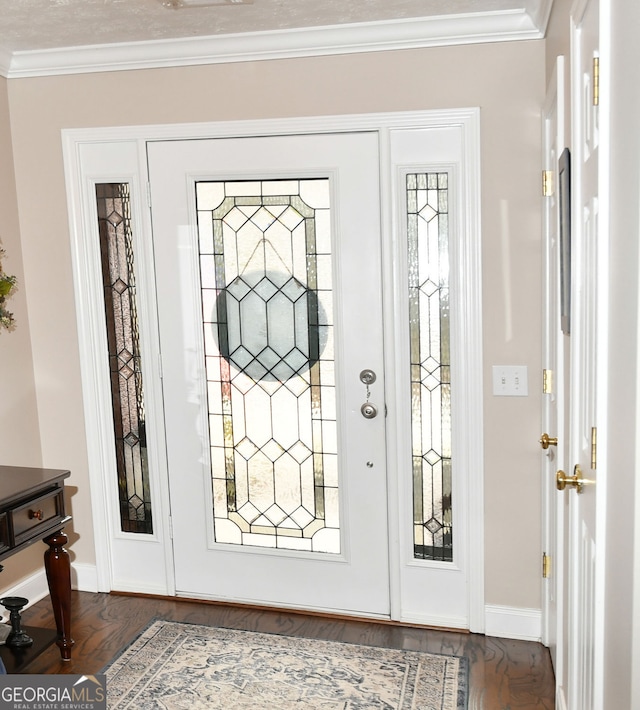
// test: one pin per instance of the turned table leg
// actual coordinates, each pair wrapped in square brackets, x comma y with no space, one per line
[58,568]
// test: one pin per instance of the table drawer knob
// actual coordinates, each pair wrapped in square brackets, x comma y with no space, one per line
[37,514]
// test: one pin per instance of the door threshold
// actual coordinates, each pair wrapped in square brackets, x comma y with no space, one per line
[386,621]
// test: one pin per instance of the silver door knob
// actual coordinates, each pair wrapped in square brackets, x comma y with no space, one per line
[369,411]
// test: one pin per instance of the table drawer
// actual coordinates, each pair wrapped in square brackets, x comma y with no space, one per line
[39,513]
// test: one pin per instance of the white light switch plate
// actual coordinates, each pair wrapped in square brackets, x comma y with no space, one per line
[510,381]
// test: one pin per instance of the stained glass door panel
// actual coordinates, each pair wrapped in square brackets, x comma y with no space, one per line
[266,280]
[268,313]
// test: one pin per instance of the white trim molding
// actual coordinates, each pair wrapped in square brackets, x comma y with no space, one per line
[513,622]
[413,33]
[84,577]
[539,11]
[35,586]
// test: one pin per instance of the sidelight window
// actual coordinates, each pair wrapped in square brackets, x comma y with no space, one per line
[118,276]
[429,326]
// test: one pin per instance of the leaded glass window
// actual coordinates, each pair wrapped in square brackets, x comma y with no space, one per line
[428,245]
[118,274]
[266,277]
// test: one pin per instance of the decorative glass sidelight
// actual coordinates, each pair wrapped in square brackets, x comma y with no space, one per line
[266,277]
[116,248]
[428,245]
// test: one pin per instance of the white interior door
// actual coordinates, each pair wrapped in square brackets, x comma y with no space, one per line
[588,367]
[269,294]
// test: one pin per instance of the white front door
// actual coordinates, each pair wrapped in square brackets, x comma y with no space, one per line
[261,315]
[268,268]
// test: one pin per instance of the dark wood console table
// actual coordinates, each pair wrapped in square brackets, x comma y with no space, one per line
[32,508]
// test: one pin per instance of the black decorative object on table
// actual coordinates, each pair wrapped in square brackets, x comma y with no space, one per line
[17,638]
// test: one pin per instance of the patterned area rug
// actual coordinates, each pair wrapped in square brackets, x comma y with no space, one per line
[176,666]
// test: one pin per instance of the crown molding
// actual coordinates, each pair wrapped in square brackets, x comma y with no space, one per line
[283,44]
[539,11]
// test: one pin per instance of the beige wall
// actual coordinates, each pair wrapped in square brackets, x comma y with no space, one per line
[505,80]
[19,435]
[19,431]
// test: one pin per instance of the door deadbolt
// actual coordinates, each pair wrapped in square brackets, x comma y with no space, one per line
[367,377]
[369,411]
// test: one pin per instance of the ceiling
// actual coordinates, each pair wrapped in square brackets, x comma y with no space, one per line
[57,36]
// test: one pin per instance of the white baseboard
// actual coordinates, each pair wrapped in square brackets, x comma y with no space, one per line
[513,622]
[35,586]
[84,577]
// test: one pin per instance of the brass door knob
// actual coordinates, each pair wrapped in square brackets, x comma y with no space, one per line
[562,480]
[546,441]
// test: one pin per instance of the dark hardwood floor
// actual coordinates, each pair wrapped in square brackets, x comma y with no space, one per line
[504,674]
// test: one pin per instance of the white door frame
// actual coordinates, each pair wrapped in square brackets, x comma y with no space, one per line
[84,151]
[553,359]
